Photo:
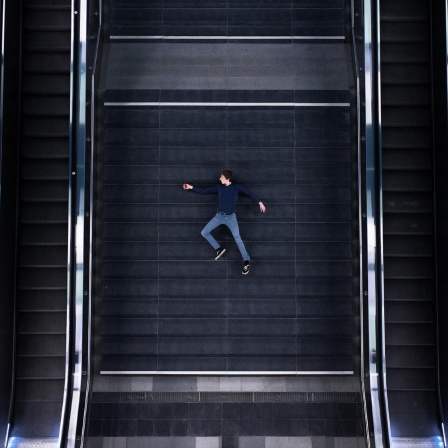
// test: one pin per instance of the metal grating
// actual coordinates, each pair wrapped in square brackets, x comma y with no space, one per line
[225,397]
[23,442]
[417,442]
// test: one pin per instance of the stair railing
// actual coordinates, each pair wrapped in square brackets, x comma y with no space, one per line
[93,60]
[10,16]
[85,18]
[372,297]
[439,93]
[87,35]
[357,46]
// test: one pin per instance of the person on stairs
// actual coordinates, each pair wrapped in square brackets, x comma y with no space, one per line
[227,193]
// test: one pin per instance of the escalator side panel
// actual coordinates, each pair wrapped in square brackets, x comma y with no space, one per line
[9,123]
[439,29]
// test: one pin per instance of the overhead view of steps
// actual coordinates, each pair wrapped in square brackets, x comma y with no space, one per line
[124,325]
[186,91]
[408,192]
[193,19]
[167,305]
[43,220]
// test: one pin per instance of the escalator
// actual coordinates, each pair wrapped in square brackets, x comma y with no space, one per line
[175,253]
[409,264]
[42,220]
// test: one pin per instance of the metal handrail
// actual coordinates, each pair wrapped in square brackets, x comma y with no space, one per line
[360,220]
[380,233]
[81,227]
[75,306]
[68,370]
[2,96]
[2,75]
[91,214]
[436,270]
[374,286]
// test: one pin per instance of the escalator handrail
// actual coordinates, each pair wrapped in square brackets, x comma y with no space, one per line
[75,355]
[68,370]
[355,50]
[381,362]
[2,98]
[83,77]
[98,6]
[436,269]
[374,287]
[2,62]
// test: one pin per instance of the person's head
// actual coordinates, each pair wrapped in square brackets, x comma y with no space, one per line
[226,177]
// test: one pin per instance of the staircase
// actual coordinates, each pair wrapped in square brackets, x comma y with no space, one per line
[167,306]
[196,19]
[188,349]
